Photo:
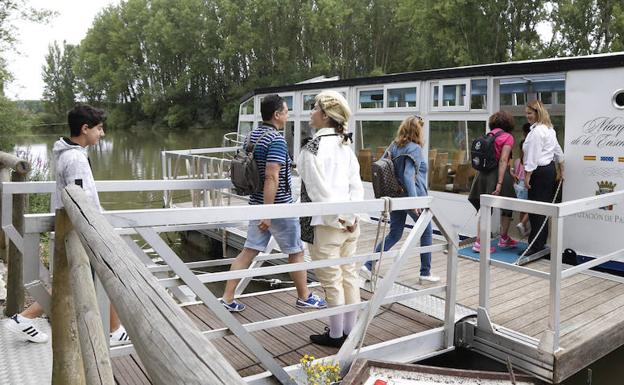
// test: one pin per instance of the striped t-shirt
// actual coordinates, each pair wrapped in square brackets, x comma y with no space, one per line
[272,148]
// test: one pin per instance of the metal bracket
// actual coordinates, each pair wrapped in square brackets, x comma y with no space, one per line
[39,292]
[483,320]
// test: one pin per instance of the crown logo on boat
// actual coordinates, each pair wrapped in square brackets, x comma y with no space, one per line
[605,187]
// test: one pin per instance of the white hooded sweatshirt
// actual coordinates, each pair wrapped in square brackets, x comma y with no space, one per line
[72,164]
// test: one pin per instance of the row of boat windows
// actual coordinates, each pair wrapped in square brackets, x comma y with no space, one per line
[444,96]
[447,144]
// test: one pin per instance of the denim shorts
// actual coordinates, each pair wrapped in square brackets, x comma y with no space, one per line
[286,231]
[521,190]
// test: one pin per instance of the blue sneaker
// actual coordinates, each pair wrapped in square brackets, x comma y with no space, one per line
[234,306]
[313,301]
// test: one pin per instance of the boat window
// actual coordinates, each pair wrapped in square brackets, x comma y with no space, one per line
[244,128]
[436,96]
[308,101]
[453,95]
[371,140]
[550,92]
[307,132]
[401,97]
[289,102]
[450,95]
[618,99]
[449,144]
[371,98]
[247,108]
[513,93]
[478,94]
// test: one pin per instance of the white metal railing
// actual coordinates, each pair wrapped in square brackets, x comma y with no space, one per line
[202,163]
[549,341]
[148,223]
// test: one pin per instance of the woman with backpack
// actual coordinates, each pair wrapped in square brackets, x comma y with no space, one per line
[406,151]
[330,172]
[497,181]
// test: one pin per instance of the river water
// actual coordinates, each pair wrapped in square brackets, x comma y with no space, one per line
[125,155]
[131,155]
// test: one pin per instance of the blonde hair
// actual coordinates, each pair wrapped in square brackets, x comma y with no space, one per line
[410,130]
[335,106]
[543,116]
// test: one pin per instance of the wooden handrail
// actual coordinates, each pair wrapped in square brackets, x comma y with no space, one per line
[11,161]
[170,346]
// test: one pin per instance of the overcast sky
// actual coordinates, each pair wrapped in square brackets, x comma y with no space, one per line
[72,23]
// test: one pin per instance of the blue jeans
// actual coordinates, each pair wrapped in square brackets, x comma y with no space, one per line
[397,224]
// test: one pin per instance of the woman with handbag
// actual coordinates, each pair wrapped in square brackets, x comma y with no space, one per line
[406,152]
[330,172]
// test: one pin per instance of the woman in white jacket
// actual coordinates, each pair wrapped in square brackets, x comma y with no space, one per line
[330,172]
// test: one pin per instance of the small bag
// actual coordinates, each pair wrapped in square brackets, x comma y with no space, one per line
[244,172]
[483,152]
[385,181]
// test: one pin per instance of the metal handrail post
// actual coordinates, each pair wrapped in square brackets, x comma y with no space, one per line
[554,318]
[484,268]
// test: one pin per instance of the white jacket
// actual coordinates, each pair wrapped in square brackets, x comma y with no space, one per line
[71,163]
[331,175]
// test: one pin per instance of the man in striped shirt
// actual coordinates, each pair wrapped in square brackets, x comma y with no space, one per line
[271,155]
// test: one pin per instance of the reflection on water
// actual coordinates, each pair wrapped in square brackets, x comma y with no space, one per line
[127,155]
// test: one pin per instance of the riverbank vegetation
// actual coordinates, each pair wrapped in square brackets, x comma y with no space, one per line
[186,63]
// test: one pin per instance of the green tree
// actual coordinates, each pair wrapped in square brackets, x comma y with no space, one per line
[59,93]
[583,27]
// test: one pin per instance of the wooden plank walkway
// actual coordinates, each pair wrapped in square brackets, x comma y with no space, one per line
[286,343]
[592,312]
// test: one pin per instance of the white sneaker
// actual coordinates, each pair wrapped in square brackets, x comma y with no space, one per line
[520,228]
[429,278]
[366,274]
[119,337]
[25,329]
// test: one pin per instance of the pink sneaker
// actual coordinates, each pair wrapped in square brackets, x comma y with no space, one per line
[477,247]
[507,242]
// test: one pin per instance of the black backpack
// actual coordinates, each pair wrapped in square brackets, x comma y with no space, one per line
[244,172]
[483,153]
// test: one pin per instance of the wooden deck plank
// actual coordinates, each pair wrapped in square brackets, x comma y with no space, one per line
[530,324]
[535,308]
[127,372]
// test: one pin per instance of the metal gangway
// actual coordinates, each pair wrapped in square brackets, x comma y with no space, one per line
[172,273]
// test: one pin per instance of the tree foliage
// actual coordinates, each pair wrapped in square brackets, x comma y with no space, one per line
[59,92]
[184,63]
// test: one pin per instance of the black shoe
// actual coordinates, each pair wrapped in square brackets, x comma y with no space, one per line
[325,340]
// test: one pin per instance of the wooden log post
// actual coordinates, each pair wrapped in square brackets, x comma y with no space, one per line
[15,284]
[15,266]
[93,344]
[5,176]
[170,346]
[67,367]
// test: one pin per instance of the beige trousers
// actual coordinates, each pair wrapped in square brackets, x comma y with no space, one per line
[341,282]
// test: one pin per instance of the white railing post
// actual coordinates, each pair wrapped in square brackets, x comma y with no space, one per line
[483,321]
[550,339]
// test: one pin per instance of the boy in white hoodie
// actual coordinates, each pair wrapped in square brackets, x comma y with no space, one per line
[72,166]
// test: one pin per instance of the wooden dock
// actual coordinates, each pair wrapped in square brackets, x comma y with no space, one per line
[592,303]
[286,343]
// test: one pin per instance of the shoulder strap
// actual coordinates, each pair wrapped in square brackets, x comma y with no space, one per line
[495,135]
[253,145]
